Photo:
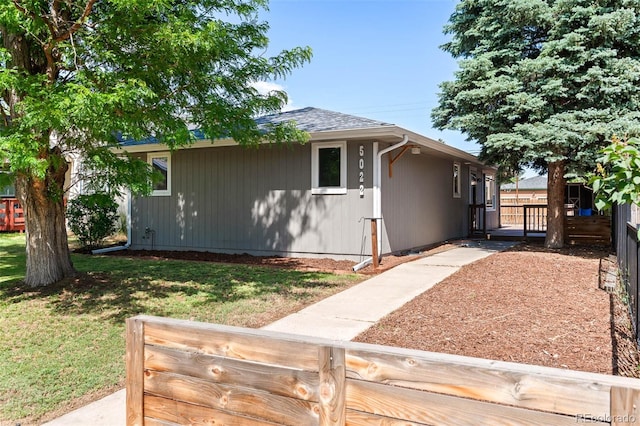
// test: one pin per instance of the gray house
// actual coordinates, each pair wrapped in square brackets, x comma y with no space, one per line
[315,199]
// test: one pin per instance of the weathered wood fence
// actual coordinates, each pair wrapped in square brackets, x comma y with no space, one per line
[587,230]
[183,372]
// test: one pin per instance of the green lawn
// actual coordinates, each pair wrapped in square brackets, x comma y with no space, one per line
[66,341]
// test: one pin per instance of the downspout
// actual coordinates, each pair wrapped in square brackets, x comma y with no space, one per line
[377,198]
[128,244]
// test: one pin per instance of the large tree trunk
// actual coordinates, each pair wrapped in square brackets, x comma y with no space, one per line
[48,256]
[555,201]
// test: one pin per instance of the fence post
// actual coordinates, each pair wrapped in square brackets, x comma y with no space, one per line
[374,243]
[11,215]
[135,372]
[332,370]
[625,406]
[636,285]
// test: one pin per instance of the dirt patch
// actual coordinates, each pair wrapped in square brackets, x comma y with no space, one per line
[302,264]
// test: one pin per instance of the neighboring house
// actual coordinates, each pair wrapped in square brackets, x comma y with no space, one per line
[578,197]
[531,190]
[514,195]
[314,199]
[11,211]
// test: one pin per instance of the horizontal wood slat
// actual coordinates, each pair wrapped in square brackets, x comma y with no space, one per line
[358,418]
[504,383]
[194,373]
[587,230]
[150,421]
[235,399]
[277,380]
[435,409]
[168,412]
[229,342]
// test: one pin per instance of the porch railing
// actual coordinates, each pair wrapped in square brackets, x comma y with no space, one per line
[534,218]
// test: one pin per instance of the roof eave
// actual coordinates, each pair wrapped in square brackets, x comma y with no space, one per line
[380,132]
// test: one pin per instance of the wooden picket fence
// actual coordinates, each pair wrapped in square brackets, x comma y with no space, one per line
[185,372]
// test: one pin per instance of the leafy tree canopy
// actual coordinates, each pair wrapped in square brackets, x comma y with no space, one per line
[78,74]
[75,75]
[617,176]
[543,81]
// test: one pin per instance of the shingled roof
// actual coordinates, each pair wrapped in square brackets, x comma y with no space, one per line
[307,119]
[536,182]
[321,120]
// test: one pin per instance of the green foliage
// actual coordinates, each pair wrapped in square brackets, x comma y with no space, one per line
[92,218]
[617,179]
[543,81]
[76,76]
[89,72]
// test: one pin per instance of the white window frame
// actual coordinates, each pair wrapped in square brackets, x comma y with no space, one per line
[167,155]
[316,189]
[457,180]
[490,188]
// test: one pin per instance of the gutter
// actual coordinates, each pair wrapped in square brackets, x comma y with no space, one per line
[128,244]
[377,198]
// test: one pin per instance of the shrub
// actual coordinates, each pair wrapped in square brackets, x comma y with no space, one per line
[92,218]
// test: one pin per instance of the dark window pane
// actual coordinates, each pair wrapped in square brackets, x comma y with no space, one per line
[160,165]
[8,191]
[329,167]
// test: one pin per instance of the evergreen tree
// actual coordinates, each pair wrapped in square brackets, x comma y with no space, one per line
[543,84]
[75,74]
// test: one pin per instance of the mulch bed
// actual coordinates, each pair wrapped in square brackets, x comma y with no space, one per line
[528,305]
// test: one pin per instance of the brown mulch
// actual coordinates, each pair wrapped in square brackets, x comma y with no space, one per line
[528,305]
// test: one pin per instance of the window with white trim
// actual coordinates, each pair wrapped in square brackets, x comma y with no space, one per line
[329,168]
[161,164]
[456,180]
[490,192]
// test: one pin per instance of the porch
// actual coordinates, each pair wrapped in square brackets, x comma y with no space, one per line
[530,224]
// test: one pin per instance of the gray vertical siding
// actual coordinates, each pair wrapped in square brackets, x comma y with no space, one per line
[257,201]
[418,206]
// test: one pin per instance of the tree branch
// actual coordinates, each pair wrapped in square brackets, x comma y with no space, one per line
[76,26]
[34,16]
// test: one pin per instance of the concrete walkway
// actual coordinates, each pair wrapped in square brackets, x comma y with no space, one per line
[341,317]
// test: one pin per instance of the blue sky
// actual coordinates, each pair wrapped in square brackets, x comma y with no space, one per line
[378,59]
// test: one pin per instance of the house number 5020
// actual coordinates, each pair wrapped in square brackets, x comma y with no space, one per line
[361,170]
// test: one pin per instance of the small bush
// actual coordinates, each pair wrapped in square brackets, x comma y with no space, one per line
[92,218]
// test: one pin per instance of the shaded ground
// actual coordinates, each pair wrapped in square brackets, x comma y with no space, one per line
[529,305]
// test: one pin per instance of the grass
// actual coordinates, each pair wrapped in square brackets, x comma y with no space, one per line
[66,341]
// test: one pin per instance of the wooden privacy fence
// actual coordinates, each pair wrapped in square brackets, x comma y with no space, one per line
[587,230]
[184,372]
[11,215]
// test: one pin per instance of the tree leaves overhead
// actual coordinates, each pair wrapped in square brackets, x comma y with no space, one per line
[543,81]
[87,71]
